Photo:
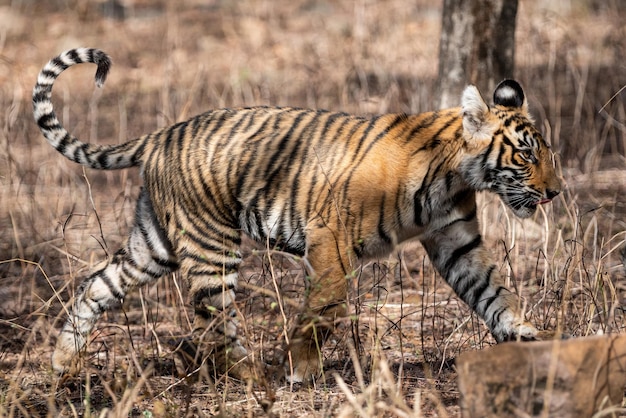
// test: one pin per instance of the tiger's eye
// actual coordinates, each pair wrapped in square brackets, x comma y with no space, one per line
[529,156]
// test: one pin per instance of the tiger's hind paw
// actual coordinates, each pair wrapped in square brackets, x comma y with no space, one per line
[66,364]
[211,364]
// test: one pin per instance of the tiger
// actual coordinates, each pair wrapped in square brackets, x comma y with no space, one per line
[333,188]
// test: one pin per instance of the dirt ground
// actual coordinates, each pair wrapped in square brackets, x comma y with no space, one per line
[394,355]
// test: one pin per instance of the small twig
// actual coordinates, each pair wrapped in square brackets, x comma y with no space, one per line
[93,205]
[611,99]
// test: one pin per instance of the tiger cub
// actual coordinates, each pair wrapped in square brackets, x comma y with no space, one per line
[331,187]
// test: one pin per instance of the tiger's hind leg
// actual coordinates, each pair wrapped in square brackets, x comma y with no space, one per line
[146,256]
[210,265]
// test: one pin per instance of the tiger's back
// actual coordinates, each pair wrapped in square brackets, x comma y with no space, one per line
[274,172]
[332,187]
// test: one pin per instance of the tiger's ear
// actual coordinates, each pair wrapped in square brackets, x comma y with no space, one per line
[510,94]
[476,120]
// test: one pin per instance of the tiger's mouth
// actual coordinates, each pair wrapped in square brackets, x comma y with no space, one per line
[540,202]
[543,201]
[530,206]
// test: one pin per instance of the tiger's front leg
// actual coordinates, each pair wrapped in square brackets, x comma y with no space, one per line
[325,305]
[458,254]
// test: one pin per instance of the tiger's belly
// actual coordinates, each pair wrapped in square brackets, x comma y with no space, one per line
[275,228]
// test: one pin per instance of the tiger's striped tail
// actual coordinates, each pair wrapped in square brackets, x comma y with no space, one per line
[107,157]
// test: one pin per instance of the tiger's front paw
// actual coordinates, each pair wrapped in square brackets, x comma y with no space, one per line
[524,331]
[306,362]
[304,371]
[519,331]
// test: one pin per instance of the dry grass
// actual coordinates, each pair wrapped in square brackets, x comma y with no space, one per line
[395,355]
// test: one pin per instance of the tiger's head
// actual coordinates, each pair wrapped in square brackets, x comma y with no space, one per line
[504,151]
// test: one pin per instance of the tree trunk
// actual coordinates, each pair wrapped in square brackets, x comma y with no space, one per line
[477,47]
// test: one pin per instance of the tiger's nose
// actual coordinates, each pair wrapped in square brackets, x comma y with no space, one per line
[552,193]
